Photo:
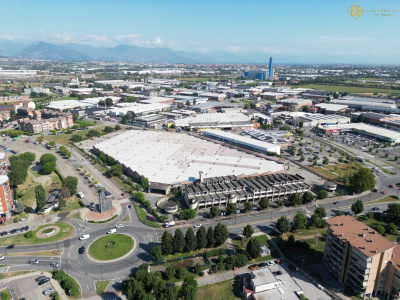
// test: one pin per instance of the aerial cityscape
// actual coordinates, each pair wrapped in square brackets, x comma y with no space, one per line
[200,150]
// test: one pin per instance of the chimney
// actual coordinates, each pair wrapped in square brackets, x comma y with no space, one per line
[365,247]
[363,234]
[371,240]
[201,176]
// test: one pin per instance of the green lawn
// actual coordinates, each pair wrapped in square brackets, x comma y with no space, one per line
[126,218]
[340,169]
[386,199]
[142,216]
[64,138]
[224,290]
[66,231]
[7,293]
[240,245]
[101,287]
[111,246]
[348,89]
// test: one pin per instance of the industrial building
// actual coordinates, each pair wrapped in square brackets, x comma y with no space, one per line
[243,141]
[121,109]
[220,191]
[273,137]
[174,158]
[379,133]
[210,106]
[295,103]
[155,121]
[313,120]
[180,100]
[360,103]
[256,74]
[330,109]
[360,258]
[215,121]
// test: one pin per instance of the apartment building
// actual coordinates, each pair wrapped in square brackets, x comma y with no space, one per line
[6,201]
[220,191]
[5,115]
[3,164]
[359,257]
[37,126]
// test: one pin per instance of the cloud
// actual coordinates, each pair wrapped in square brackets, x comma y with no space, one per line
[157,41]
[127,38]
[234,49]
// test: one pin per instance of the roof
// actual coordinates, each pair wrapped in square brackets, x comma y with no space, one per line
[3,179]
[263,276]
[328,106]
[359,235]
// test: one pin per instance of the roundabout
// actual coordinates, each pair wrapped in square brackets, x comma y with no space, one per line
[111,248]
[47,232]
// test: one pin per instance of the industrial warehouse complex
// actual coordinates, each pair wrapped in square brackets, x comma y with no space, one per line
[173,158]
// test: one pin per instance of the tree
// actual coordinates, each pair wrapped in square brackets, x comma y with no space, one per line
[253,248]
[201,237]
[52,143]
[295,199]
[302,158]
[116,170]
[210,237]
[315,221]
[300,221]
[380,229]
[362,180]
[65,193]
[109,102]
[264,203]
[62,203]
[187,214]
[221,234]
[322,194]
[393,213]
[28,156]
[188,289]
[71,183]
[108,129]
[248,206]
[339,213]
[391,228]
[325,161]
[320,212]
[181,273]
[93,133]
[46,158]
[357,207]
[170,272]
[248,231]
[144,182]
[40,196]
[49,167]
[178,243]
[19,171]
[156,253]
[110,160]
[117,127]
[102,157]
[214,212]
[307,197]
[190,239]
[231,208]
[290,242]
[171,293]
[139,196]
[76,138]
[166,243]
[197,268]
[283,224]
[19,207]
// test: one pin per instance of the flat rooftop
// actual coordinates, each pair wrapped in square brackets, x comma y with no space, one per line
[171,158]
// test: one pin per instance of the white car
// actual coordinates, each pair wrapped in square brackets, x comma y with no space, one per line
[48,291]
[112,231]
[270,263]
[84,237]
[119,226]
[197,226]
[1,257]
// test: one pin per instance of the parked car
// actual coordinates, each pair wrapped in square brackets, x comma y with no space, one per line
[391,186]
[383,192]
[262,265]
[48,291]
[253,267]
[1,257]
[40,278]
[47,279]
[11,247]
[277,273]
[375,190]
[375,208]
[197,226]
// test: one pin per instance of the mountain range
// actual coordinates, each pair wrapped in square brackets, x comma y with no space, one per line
[81,52]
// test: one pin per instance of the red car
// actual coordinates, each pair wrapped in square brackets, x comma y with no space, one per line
[383,192]
[391,186]
[27,141]
[123,194]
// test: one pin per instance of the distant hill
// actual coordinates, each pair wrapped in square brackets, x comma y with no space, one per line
[51,52]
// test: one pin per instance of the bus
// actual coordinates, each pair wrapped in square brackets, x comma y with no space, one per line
[360,159]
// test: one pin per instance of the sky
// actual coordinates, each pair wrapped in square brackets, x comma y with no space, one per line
[306,31]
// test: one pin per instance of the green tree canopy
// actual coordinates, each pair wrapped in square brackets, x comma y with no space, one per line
[283,224]
[362,180]
[253,248]
[178,243]
[357,207]
[264,203]
[190,239]
[167,243]
[49,167]
[221,234]
[210,237]
[71,183]
[300,221]
[248,231]
[46,158]
[201,237]
[214,212]
[307,197]
[295,199]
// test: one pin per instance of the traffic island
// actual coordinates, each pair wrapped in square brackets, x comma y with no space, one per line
[111,248]
[97,216]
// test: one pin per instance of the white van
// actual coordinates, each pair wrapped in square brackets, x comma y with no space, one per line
[113,230]
[81,195]
[84,237]
[169,224]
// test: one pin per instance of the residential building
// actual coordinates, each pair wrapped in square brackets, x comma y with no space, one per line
[6,201]
[220,191]
[5,115]
[357,256]
[3,164]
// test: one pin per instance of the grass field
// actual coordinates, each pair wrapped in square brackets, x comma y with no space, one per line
[240,245]
[11,274]
[101,286]
[64,138]
[75,215]
[386,199]
[39,253]
[142,216]
[224,290]
[66,231]
[348,89]
[126,218]
[102,248]
[340,169]
[6,291]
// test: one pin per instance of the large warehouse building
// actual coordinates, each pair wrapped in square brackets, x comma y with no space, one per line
[175,158]
[243,141]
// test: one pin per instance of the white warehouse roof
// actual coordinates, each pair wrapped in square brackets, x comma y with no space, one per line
[167,157]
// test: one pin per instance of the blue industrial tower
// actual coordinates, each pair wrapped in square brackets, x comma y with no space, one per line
[270,74]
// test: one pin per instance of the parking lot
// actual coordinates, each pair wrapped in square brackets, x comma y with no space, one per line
[27,288]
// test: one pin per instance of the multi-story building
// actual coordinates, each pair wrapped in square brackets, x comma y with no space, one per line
[5,115]
[3,164]
[37,126]
[6,201]
[359,257]
[220,191]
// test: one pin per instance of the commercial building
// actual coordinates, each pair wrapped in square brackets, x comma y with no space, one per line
[122,109]
[329,109]
[150,120]
[220,191]
[211,106]
[213,96]
[243,141]
[37,90]
[358,257]
[256,74]
[360,103]
[379,133]
[216,121]
[273,137]
[377,119]
[174,158]
[313,120]
[6,201]
[17,73]
[180,100]
[295,104]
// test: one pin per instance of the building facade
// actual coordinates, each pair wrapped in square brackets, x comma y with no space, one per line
[6,201]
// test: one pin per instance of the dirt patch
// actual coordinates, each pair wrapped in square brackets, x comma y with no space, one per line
[42,180]
[41,235]
[184,263]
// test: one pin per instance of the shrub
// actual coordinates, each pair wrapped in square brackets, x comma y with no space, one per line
[28,234]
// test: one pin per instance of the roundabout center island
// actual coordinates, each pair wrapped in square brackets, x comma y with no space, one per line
[111,247]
